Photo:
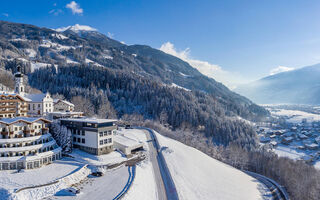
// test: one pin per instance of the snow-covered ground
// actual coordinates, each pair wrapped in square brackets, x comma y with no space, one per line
[105,187]
[11,180]
[286,151]
[106,159]
[144,186]
[198,176]
[295,116]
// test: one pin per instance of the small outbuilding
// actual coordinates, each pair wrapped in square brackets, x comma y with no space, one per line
[126,145]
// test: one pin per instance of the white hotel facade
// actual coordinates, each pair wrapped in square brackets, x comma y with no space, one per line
[25,143]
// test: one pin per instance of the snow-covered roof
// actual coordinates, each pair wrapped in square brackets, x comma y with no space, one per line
[24,119]
[89,120]
[7,94]
[125,141]
[35,97]
[64,101]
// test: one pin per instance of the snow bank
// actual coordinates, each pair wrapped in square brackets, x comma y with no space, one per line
[144,185]
[49,190]
[198,176]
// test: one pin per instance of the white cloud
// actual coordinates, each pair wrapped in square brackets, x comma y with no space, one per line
[206,68]
[75,8]
[5,14]
[110,35]
[280,69]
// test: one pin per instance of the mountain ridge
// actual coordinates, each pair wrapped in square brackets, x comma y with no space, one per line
[128,78]
[299,86]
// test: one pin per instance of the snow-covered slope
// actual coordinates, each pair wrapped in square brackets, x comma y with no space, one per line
[198,176]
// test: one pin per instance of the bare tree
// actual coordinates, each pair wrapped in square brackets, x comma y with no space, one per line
[83,104]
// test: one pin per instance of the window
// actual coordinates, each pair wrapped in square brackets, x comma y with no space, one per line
[74,139]
[83,140]
[100,134]
[38,105]
[15,128]
[106,141]
[79,140]
[101,142]
[105,133]
[110,140]
[83,132]
[109,132]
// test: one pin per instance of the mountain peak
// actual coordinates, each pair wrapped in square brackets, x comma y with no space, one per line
[76,28]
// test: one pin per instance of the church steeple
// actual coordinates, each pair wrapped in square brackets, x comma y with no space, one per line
[19,86]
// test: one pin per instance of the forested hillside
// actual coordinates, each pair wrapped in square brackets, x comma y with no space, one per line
[111,79]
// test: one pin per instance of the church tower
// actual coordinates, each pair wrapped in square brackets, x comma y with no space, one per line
[19,86]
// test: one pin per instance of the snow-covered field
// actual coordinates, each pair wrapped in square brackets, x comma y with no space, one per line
[286,151]
[198,176]
[295,116]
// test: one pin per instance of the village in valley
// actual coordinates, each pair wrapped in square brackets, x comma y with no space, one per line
[49,150]
[295,134]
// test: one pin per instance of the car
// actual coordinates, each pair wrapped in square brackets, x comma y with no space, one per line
[73,190]
[98,174]
[128,126]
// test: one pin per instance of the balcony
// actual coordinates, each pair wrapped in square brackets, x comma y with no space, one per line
[28,131]
[7,111]
[4,133]
[7,106]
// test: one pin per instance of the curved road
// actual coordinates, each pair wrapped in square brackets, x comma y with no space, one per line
[165,184]
[278,193]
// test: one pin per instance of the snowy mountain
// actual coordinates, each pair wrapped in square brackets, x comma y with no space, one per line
[78,60]
[300,86]
[76,28]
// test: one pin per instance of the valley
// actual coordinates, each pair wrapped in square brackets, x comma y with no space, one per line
[296,135]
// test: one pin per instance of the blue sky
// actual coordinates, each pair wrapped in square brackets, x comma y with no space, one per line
[240,40]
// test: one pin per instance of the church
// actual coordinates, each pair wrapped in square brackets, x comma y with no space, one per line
[21,104]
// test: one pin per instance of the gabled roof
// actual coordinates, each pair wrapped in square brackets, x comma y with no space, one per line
[66,102]
[35,97]
[27,120]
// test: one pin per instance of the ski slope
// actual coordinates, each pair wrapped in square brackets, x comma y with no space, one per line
[198,176]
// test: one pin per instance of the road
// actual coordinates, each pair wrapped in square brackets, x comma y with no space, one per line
[165,184]
[278,193]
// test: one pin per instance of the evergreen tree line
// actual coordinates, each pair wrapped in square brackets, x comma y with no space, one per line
[129,93]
